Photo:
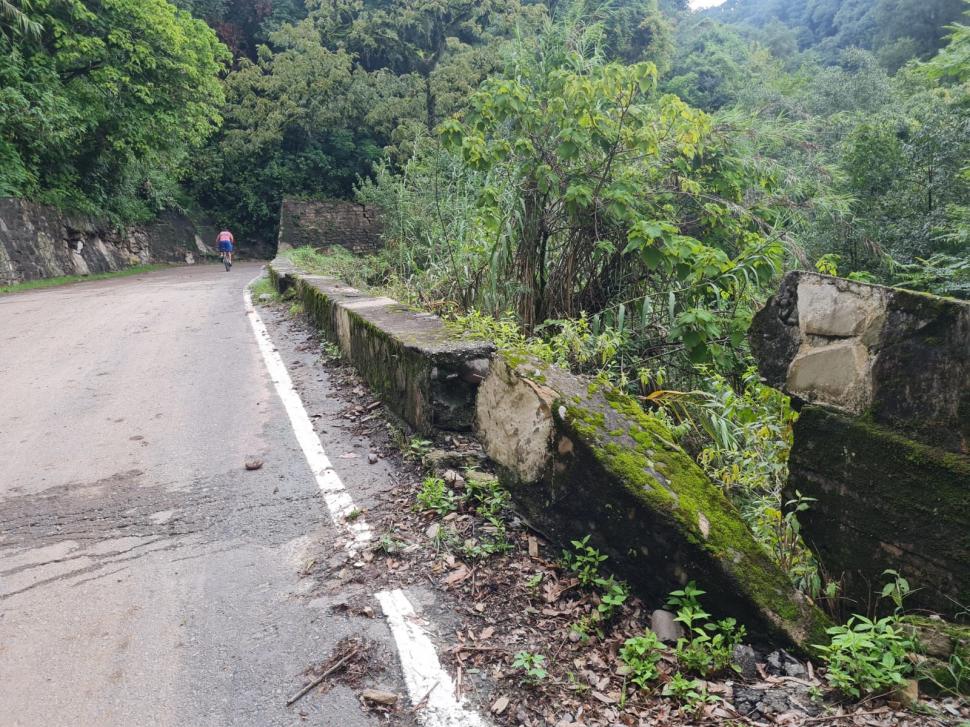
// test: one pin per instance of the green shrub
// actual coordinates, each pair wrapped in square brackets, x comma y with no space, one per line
[866,656]
[583,560]
[641,654]
[709,646]
[692,693]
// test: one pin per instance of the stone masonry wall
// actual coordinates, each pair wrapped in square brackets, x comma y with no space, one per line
[882,443]
[37,241]
[355,227]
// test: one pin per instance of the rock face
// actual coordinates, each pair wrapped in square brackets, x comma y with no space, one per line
[353,226]
[581,460]
[426,374]
[883,380]
[41,242]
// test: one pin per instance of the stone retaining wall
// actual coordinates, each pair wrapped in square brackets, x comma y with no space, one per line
[322,223]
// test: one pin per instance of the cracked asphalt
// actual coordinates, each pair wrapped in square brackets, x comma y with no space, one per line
[147,578]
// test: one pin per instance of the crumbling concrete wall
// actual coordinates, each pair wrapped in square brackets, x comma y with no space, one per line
[426,374]
[578,459]
[882,377]
[37,241]
[582,460]
[322,223]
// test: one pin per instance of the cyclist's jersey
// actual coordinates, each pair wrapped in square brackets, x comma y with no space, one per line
[226,241]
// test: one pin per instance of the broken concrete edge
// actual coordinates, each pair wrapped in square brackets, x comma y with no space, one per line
[900,357]
[577,459]
[583,459]
[426,373]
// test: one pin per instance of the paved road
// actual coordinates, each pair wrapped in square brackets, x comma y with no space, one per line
[145,577]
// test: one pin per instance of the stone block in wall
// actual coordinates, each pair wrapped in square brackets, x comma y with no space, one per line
[883,501]
[899,357]
[581,460]
[427,375]
[323,223]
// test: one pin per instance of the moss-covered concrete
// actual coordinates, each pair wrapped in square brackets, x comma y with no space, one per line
[582,459]
[943,655]
[883,501]
[427,374]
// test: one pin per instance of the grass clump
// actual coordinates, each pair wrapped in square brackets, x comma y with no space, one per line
[435,495]
[264,286]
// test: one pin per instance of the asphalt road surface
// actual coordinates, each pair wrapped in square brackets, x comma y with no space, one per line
[146,578]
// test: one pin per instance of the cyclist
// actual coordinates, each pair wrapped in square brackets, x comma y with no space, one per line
[226,243]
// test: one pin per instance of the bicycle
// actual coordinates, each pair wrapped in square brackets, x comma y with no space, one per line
[227,259]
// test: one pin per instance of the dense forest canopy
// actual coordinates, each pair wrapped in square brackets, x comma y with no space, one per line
[896,30]
[100,104]
[845,121]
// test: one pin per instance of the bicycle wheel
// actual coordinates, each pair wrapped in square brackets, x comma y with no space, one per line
[225,261]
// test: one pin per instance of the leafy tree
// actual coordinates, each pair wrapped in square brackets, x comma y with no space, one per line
[15,19]
[297,122]
[102,109]
[596,194]
[244,24]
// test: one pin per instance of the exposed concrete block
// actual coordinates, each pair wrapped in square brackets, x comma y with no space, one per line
[581,460]
[428,375]
[837,373]
[826,310]
[904,359]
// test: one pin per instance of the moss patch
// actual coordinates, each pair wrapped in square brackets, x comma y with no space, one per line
[651,508]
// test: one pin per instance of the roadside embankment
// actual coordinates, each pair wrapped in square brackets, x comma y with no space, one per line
[577,459]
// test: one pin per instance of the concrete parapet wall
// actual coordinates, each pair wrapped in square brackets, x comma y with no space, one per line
[581,460]
[578,460]
[882,378]
[883,501]
[428,375]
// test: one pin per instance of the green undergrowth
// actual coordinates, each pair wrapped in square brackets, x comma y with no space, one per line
[479,494]
[264,286]
[337,262]
[69,279]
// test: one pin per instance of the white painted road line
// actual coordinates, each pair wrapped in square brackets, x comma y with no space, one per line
[429,685]
[425,678]
[339,502]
